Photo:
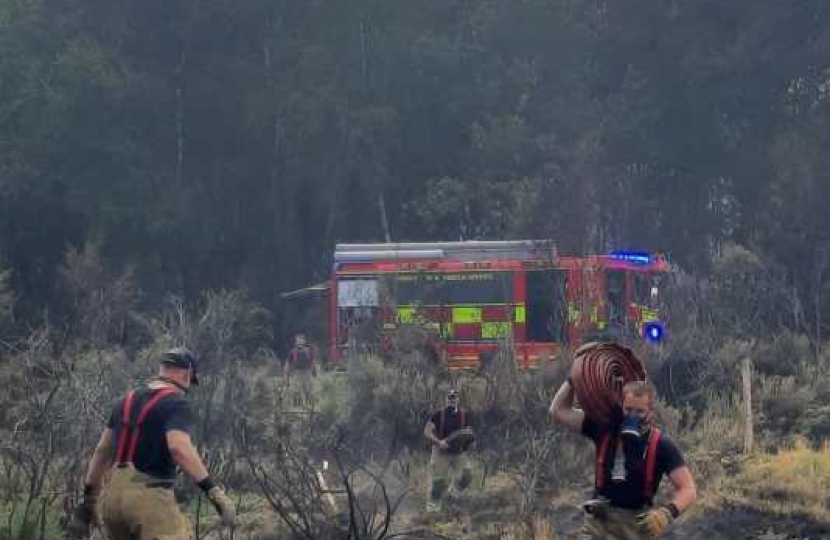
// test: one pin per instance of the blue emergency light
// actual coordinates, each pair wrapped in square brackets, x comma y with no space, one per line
[654,332]
[634,257]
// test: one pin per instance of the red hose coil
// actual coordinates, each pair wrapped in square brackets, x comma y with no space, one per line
[598,374]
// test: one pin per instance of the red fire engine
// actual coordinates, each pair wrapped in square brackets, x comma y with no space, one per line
[472,297]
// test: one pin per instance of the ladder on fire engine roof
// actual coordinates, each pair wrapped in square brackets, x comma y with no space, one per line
[316,289]
[471,250]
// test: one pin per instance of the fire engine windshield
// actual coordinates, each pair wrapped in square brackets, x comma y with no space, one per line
[357,293]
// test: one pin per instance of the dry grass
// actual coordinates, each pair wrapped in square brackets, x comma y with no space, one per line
[790,483]
[540,529]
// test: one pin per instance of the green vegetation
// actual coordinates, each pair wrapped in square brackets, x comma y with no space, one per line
[168,168]
[208,147]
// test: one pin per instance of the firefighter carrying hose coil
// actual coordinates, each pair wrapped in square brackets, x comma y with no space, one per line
[146,438]
[449,432]
[632,454]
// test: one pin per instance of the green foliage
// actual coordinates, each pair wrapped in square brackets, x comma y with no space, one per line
[224,146]
[332,401]
[385,406]
[749,295]
[43,523]
[227,147]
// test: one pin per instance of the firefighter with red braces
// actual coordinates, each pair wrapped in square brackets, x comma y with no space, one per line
[631,458]
[146,439]
[448,430]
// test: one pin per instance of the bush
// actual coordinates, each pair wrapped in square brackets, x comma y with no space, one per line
[783,354]
[42,523]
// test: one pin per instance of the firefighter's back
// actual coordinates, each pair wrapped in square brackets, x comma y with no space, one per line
[139,503]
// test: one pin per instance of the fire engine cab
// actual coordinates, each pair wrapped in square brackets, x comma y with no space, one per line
[472,297]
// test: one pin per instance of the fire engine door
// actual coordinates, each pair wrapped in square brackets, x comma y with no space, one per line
[585,303]
[546,306]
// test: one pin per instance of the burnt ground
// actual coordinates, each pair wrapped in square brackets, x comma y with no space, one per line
[492,513]
[494,518]
[747,524]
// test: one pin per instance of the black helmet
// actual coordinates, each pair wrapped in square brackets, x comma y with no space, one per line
[184,358]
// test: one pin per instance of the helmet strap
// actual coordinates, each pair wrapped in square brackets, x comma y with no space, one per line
[177,384]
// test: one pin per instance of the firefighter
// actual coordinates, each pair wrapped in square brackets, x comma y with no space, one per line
[301,362]
[451,437]
[631,458]
[146,438]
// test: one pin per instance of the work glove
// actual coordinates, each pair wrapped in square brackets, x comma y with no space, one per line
[85,515]
[223,505]
[654,522]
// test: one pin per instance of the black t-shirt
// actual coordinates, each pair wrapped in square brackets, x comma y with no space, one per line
[452,422]
[172,412]
[301,358]
[629,493]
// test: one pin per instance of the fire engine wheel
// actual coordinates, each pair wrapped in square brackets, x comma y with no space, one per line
[598,374]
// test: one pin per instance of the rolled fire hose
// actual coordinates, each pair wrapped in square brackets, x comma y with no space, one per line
[598,374]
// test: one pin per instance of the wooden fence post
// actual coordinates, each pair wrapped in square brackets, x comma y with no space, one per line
[749,432]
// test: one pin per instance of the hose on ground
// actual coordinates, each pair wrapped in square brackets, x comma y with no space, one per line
[598,374]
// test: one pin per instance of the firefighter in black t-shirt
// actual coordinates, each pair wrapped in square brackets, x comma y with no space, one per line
[631,459]
[449,431]
[146,438]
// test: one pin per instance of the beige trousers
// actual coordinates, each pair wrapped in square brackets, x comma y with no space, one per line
[447,473]
[133,511]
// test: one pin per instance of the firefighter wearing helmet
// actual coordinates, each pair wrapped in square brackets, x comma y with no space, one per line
[448,430]
[146,438]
